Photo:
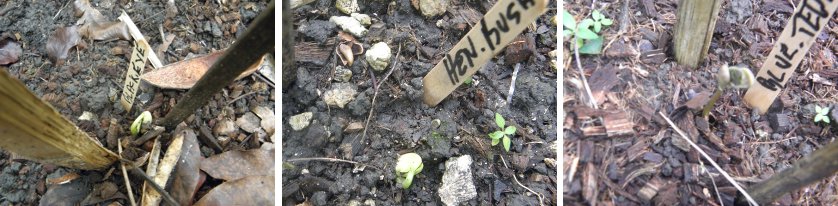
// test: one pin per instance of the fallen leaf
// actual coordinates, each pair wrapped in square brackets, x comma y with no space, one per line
[103,192]
[60,42]
[69,194]
[184,74]
[9,51]
[188,176]
[95,26]
[233,165]
[63,179]
[87,13]
[815,77]
[253,190]
[699,100]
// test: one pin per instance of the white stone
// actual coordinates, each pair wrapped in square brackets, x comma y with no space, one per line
[225,127]
[347,6]
[249,122]
[349,24]
[378,56]
[457,182]
[300,121]
[362,18]
[340,95]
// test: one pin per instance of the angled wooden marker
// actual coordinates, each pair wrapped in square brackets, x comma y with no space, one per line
[132,76]
[497,28]
[807,22]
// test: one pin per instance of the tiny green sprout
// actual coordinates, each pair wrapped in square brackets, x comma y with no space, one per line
[734,77]
[467,81]
[503,135]
[143,119]
[409,165]
[587,40]
[600,20]
[821,116]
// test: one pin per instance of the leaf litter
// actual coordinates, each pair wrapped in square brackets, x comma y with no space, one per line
[233,165]
[91,25]
[184,74]
[10,50]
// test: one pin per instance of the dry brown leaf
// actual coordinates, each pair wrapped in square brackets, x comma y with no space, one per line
[233,165]
[102,192]
[9,50]
[63,179]
[105,31]
[184,74]
[95,26]
[60,42]
[188,176]
[253,190]
[164,170]
[69,194]
[345,54]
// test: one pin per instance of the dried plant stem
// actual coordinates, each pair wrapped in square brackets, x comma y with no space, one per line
[375,94]
[727,176]
[127,181]
[329,160]
[591,101]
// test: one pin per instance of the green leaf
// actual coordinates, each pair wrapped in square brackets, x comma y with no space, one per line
[579,43]
[495,141]
[822,110]
[596,15]
[818,118]
[592,47]
[585,24]
[510,130]
[496,135]
[826,119]
[506,143]
[567,33]
[499,120]
[586,33]
[567,20]
[597,27]
[606,22]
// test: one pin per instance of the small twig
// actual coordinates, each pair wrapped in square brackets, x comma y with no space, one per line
[512,84]
[540,198]
[591,101]
[148,135]
[137,171]
[59,10]
[713,180]
[127,181]
[329,160]
[375,94]
[240,96]
[727,176]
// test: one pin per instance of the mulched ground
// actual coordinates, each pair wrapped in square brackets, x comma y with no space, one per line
[401,123]
[645,165]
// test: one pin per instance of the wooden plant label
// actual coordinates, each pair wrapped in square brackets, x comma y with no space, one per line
[807,22]
[497,28]
[132,77]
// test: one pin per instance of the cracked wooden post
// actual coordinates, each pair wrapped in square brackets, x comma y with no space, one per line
[694,30]
[248,49]
[33,129]
[820,164]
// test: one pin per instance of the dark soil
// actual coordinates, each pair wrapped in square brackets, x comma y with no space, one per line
[645,166]
[91,79]
[401,123]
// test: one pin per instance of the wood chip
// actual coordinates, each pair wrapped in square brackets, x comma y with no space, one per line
[618,124]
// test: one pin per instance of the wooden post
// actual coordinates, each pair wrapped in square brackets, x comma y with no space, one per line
[820,164]
[248,49]
[289,69]
[694,30]
[33,129]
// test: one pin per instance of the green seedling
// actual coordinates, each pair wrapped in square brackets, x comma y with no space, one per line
[821,114]
[467,81]
[144,120]
[408,166]
[729,77]
[505,134]
[587,40]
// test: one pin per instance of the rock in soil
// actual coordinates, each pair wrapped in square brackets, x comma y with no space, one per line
[300,121]
[249,122]
[340,94]
[349,24]
[342,74]
[225,127]
[347,6]
[318,30]
[431,8]
[378,57]
[457,184]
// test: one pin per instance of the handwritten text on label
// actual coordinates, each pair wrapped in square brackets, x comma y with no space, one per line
[795,40]
[497,28]
[132,77]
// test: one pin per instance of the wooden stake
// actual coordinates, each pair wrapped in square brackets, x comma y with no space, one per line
[33,129]
[807,22]
[497,28]
[694,30]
